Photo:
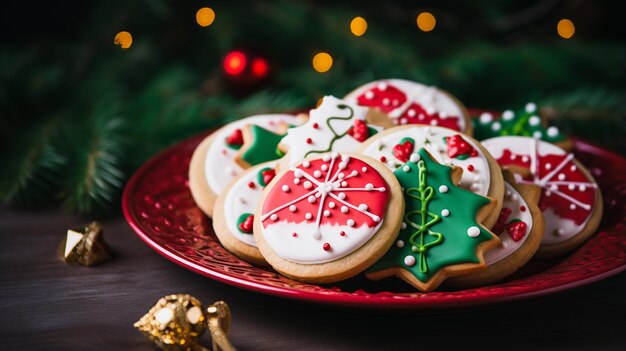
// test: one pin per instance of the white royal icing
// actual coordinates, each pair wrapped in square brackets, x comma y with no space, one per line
[305,247]
[321,137]
[514,201]
[243,199]
[556,229]
[220,167]
[429,97]
[477,181]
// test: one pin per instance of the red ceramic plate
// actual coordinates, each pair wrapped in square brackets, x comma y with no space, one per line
[158,205]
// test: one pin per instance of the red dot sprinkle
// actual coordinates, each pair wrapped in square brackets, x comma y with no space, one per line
[470,168]
[326,246]
[309,141]
[315,126]
[294,234]
[342,233]
[522,208]
[383,159]
[251,185]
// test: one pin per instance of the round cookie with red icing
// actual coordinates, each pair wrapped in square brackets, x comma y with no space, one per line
[520,229]
[481,173]
[213,164]
[329,217]
[233,213]
[571,201]
[407,102]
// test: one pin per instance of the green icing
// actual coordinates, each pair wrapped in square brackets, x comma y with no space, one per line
[371,132]
[518,125]
[336,136]
[232,146]
[241,219]
[435,241]
[263,148]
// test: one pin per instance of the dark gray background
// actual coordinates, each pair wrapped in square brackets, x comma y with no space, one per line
[49,305]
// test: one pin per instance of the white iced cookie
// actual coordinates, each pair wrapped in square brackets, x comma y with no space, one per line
[213,165]
[408,102]
[481,173]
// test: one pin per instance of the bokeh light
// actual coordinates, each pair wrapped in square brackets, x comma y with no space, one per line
[235,62]
[260,67]
[322,62]
[205,16]
[123,39]
[426,21]
[358,26]
[566,28]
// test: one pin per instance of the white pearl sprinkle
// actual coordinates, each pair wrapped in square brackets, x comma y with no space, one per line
[307,185]
[548,166]
[326,157]
[571,187]
[345,158]
[274,217]
[573,168]
[341,175]
[344,209]
[433,122]
[406,169]
[582,188]
[364,169]
[344,184]
[443,189]
[414,158]
[445,213]
[399,244]
[326,213]
[395,102]
[369,186]
[369,95]
[382,86]
[534,120]
[363,207]
[525,159]
[342,165]
[317,174]
[342,195]
[421,116]
[411,113]
[561,176]
[324,168]
[473,232]
[386,101]
[306,164]
[553,131]
[572,207]
[285,188]
[293,208]
[308,215]
[508,115]
[296,181]
[350,223]
[354,173]
[409,261]
[376,219]
[312,199]
[331,204]
[531,107]
[298,173]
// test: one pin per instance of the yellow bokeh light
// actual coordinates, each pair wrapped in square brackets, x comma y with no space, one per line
[322,62]
[205,16]
[566,28]
[358,26]
[123,39]
[426,21]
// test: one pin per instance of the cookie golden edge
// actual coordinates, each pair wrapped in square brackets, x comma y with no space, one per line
[453,270]
[353,263]
[198,185]
[513,262]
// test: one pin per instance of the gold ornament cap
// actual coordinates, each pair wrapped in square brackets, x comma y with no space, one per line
[84,246]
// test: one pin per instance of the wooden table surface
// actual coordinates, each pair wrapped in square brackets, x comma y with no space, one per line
[47,304]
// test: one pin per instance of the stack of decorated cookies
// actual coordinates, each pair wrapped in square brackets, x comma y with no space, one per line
[391,181]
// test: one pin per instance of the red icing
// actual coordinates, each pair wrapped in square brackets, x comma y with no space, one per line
[246,225]
[403,151]
[394,95]
[268,175]
[359,131]
[559,204]
[457,146]
[420,116]
[236,138]
[498,228]
[375,200]
[516,230]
